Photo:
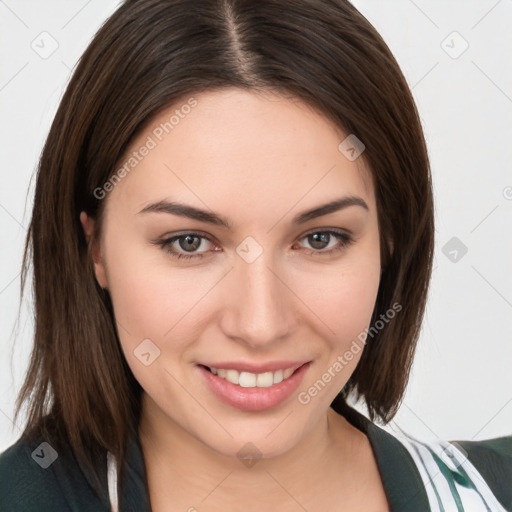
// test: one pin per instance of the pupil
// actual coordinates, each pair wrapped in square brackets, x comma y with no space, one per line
[320,240]
[188,240]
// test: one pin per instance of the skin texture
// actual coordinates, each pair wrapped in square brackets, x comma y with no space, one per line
[258,160]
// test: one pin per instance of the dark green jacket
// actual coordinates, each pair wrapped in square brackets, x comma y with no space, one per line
[417,476]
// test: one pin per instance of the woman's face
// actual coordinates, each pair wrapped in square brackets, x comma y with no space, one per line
[267,285]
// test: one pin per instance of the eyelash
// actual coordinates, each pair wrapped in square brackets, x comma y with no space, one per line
[344,241]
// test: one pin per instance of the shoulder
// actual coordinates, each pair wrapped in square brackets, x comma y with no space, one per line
[493,460]
[27,481]
[36,477]
[475,475]
[438,475]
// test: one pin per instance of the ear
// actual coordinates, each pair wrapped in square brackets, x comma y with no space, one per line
[99,267]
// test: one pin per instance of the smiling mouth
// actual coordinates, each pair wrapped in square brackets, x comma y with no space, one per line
[253,392]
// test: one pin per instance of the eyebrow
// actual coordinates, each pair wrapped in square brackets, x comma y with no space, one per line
[183,210]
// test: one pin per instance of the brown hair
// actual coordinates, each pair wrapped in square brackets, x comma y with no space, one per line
[146,56]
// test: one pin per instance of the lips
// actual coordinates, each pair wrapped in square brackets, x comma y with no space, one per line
[252,398]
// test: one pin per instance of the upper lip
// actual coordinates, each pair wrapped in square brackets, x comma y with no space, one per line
[243,366]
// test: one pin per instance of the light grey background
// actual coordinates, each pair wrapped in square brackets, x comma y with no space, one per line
[461,383]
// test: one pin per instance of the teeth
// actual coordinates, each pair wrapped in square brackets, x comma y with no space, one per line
[232,375]
[287,373]
[248,380]
[251,380]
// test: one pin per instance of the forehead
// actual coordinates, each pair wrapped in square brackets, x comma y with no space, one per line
[242,150]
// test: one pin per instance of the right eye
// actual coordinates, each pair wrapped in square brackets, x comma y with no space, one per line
[185,241]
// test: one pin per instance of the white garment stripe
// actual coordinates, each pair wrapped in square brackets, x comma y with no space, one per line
[455,465]
[429,456]
[482,489]
[112,482]
[446,493]
[433,494]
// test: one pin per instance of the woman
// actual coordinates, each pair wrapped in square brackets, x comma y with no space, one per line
[232,236]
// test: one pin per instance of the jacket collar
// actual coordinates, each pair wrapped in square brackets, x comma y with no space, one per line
[401,479]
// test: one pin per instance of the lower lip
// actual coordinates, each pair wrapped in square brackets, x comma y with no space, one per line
[253,399]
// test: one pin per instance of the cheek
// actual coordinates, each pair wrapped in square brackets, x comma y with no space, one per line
[345,306]
[155,304]
[156,322]
[150,299]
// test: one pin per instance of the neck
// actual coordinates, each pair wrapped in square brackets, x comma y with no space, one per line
[174,456]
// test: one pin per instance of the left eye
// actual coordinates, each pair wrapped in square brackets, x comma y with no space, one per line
[319,240]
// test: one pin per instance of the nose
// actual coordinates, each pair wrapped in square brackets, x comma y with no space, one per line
[260,305]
